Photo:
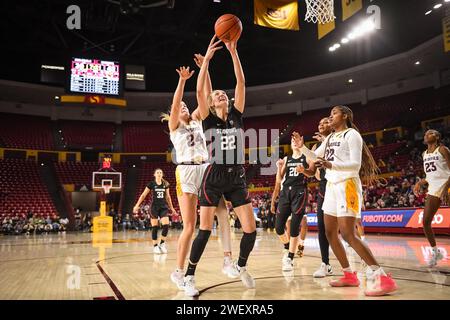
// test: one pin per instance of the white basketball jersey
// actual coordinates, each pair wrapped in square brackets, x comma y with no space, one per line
[344,151]
[189,143]
[435,167]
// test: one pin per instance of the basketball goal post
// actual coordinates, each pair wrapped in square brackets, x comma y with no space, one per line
[105,180]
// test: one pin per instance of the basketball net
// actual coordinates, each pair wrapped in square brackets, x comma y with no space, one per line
[106,188]
[319,11]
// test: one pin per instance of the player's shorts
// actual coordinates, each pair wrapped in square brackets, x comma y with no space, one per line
[292,201]
[343,199]
[189,178]
[436,189]
[158,212]
[227,181]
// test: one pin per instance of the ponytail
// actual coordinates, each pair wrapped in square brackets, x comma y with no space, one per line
[369,172]
[164,116]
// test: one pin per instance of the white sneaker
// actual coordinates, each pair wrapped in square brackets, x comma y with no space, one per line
[246,278]
[189,286]
[287,264]
[156,250]
[435,257]
[162,248]
[285,254]
[228,268]
[323,271]
[177,277]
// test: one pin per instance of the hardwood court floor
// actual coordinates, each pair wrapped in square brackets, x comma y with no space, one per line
[68,266]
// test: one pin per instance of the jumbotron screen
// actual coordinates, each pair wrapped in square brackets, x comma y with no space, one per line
[95,76]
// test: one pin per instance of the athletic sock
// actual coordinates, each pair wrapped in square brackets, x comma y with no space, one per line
[291,255]
[198,246]
[348,269]
[301,242]
[286,246]
[247,243]
[435,249]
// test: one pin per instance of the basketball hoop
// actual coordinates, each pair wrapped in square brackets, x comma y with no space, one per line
[319,11]
[106,189]
[106,185]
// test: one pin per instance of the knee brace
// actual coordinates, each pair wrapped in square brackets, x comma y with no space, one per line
[155,233]
[165,230]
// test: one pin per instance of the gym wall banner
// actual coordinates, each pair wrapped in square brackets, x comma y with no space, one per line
[408,218]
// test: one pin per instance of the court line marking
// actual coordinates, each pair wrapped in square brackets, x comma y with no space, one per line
[111,283]
[301,276]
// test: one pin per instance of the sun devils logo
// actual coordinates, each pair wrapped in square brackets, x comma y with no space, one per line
[106,163]
[276,13]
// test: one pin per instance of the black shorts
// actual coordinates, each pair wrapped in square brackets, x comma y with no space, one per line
[159,212]
[228,181]
[292,201]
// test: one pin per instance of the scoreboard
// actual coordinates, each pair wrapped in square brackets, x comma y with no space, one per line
[95,76]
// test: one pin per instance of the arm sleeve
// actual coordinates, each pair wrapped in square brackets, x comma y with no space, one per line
[319,152]
[355,145]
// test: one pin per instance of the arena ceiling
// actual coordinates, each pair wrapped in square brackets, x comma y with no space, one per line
[161,38]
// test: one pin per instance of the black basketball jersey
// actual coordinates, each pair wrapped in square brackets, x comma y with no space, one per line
[225,138]
[158,193]
[292,178]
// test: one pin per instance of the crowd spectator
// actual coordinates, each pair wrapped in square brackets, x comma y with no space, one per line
[32,223]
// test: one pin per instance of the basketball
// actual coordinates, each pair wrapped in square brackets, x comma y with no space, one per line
[228,28]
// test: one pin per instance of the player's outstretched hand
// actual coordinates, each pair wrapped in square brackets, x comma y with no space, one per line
[231,46]
[212,48]
[280,163]
[318,137]
[300,169]
[185,73]
[198,58]
[322,163]
[135,209]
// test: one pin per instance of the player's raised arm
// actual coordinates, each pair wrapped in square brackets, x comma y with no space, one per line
[202,110]
[184,74]
[198,58]
[239,93]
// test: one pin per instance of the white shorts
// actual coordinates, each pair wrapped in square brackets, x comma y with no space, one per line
[189,178]
[343,199]
[436,189]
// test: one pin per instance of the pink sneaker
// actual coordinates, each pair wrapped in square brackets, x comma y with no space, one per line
[380,285]
[348,280]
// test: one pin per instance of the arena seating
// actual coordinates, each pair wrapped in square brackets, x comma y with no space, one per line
[403,109]
[81,134]
[145,137]
[22,132]
[77,173]
[382,152]
[21,190]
